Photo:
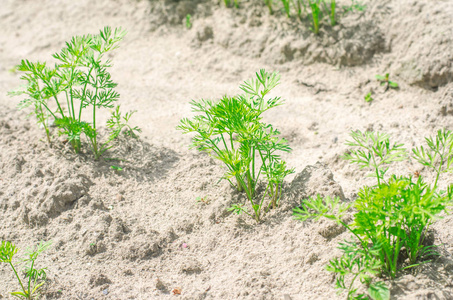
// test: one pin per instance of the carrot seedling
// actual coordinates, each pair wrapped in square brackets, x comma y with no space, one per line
[231,131]
[188,21]
[116,168]
[36,277]
[385,81]
[368,97]
[390,217]
[79,81]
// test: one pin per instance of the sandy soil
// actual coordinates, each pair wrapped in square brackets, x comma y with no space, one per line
[121,235]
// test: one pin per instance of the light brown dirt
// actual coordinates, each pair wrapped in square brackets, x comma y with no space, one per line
[141,233]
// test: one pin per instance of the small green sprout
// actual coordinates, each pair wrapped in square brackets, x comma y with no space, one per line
[287,8]
[269,6]
[36,277]
[333,5]
[116,168]
[315,6]
[368,97]
[203,200]
[188,21]
[385,80]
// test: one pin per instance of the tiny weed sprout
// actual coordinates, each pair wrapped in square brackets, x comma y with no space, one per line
[232,132]
[390,217]
[36,277]
[203,200]
[81,78]
[116,168]
[188,21]
[385,81]
[368,97]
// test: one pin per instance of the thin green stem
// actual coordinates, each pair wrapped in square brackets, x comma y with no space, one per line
[224,142]
[364,245]
[68,103]
[43,119]
[95,146]
[258,214]
[54,96]
[231,141]
[17,275]
[253,163]
[29,279]
[332,13]
[350,286]
[84,92]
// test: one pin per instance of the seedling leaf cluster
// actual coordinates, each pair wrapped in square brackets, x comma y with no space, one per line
[391,217]
[77,83]
[232,131]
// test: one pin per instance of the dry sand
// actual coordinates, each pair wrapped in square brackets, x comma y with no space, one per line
[121,235]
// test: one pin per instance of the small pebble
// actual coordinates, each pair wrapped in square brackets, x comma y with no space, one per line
[105,292]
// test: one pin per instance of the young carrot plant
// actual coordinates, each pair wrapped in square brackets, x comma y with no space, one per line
[385,81]
[392,216]
[231,131]
[368,97]
[36,277]
[82,79]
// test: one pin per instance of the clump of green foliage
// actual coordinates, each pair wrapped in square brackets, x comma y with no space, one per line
[81,78]
[232,131]
[385,81]
[36,277]
[368,97]
[390,217]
